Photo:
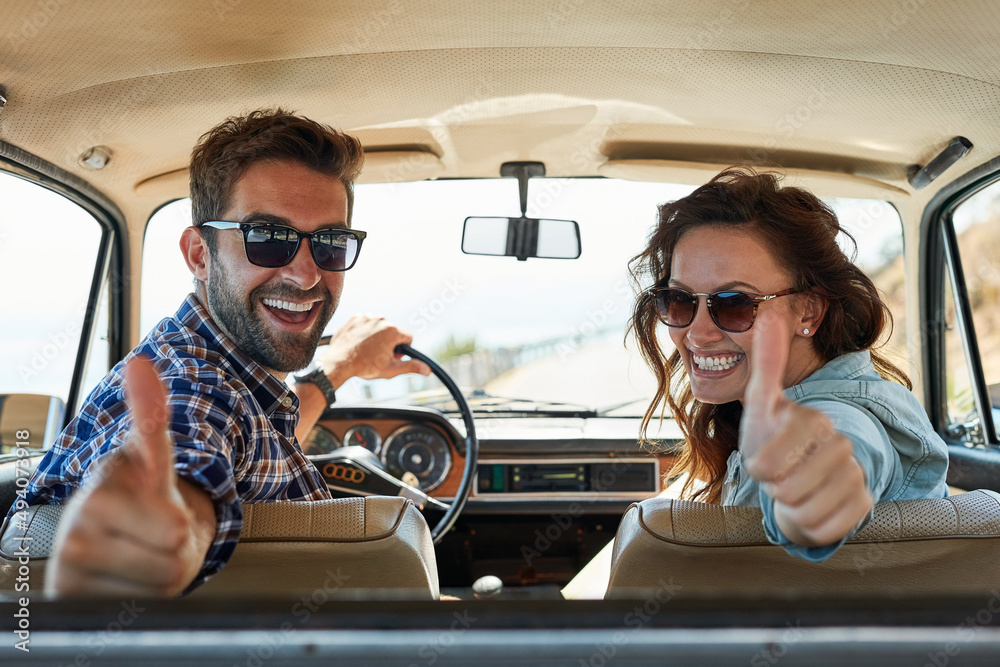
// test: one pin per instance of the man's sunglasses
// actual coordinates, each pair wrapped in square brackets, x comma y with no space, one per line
[730,310]
[271,245]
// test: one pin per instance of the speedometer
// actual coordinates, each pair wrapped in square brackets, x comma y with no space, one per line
[419,450]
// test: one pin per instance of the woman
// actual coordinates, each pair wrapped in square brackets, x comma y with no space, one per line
[775,382]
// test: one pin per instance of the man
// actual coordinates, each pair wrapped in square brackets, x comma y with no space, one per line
[157,466]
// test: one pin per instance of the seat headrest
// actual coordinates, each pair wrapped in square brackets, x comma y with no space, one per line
[945,545]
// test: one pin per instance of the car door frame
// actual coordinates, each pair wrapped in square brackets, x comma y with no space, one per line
[111,267]
[970,467]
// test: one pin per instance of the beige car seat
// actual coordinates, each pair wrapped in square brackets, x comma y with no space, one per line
[340,547]
[947,545]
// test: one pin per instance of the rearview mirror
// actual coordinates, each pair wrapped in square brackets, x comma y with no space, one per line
[521,237]
[34,419]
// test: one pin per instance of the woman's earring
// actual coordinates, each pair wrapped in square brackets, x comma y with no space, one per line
[805,332]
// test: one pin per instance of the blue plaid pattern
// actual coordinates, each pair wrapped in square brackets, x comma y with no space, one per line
[232,422]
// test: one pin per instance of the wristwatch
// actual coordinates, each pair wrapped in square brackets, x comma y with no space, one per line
[317,377]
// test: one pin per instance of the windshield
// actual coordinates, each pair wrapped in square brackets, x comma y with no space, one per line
[542,332]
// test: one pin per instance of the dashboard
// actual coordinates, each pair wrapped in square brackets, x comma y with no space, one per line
[554,459]
[416,447]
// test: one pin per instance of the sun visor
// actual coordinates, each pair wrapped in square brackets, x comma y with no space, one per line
[400,166]
[380,167]
[163,187]
[822,183]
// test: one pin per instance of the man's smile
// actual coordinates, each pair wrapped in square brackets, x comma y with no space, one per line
[292,315]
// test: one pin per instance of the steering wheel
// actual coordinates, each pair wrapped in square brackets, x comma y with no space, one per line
[382,483]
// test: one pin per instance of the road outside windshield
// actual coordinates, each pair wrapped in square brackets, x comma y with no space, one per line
[543,330]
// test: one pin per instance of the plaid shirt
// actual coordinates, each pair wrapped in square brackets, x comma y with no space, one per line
[232,422]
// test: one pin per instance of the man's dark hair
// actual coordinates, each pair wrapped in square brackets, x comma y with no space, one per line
[224,153]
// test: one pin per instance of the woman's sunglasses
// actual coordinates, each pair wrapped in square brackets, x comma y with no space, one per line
[270,245]
[730,310]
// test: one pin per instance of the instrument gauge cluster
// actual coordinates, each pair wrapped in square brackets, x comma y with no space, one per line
[412,451]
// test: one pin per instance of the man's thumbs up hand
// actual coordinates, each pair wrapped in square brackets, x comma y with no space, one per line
[132,529]
[149,439]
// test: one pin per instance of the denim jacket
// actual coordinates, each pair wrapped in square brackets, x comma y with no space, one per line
[893,439]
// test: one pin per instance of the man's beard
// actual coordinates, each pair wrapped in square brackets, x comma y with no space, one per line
[275,350]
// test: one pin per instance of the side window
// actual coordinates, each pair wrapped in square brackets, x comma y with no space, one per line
[166,280]
[49,249]
[976,225]
[878,231]
[99,358]
[958,391]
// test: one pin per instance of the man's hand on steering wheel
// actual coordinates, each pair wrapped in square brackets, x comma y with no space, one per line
[364,348]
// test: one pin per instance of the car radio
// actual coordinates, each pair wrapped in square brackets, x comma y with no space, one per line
[604,476]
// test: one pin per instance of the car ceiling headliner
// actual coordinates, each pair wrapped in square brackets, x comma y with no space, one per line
[863,88]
